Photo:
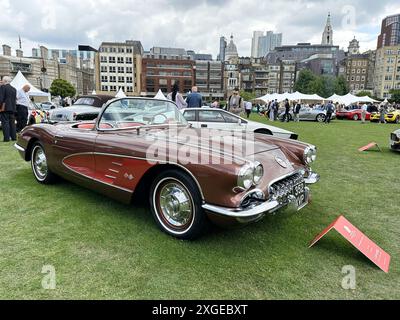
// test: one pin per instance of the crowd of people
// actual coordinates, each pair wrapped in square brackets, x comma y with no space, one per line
[14,106]
[235,103]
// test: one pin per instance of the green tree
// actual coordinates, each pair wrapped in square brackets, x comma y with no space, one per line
[364,93]
[247,96]
[62,88]
[395,95]
[341,87]
[317,86]
[304,81]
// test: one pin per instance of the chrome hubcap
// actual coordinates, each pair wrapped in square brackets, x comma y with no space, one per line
[176,204]
[40,163]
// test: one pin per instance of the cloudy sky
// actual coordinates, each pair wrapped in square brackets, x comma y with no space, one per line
[195,25]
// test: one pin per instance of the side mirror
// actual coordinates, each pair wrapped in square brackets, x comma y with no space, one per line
[240,122]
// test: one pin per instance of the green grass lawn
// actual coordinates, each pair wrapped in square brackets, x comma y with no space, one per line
[102,249]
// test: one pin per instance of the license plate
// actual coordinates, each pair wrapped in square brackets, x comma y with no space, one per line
[300,193]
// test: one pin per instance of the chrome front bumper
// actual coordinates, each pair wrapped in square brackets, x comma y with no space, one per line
[256,212]
[312,178]
[19,148]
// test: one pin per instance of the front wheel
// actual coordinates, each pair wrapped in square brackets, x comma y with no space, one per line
[397,120]
[176,205]
[39,165]
[356,117]
[321,118]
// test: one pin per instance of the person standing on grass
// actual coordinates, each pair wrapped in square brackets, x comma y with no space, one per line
[286,116]
[329,111]
[235,103]
[296,111]
[194,99]
[23,103]
[248,107]
[364,109]
[8,108]
[272,110]
[176,97]
[382,112]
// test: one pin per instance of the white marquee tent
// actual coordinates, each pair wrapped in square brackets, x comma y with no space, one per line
[19,81]
[120,94]
[349,99]
[160,95]
[296,96]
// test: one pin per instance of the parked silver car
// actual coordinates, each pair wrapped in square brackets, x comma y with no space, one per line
[219,119]
[310,114]
[86,108]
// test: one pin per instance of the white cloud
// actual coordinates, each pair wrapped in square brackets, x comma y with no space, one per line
[191,25]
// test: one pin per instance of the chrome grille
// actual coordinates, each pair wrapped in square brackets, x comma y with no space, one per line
[281,190]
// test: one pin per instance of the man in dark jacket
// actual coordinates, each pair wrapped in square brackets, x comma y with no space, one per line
[8,97]
[286,116]
[194,99]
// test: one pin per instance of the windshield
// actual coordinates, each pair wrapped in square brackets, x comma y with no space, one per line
[126,113]
[84,102]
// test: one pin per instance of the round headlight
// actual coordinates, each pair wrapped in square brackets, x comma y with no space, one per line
[258,173]
[310,155]
[246,177]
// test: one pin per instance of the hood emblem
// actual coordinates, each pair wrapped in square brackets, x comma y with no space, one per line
[281,162]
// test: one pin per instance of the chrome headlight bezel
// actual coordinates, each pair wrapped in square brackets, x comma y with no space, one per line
[310,154]
[250,175]
[246,177]
[258,172]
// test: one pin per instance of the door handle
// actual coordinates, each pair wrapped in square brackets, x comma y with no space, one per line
[204,126]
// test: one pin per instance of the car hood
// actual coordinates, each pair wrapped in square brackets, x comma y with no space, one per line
[237,144]
[255,125]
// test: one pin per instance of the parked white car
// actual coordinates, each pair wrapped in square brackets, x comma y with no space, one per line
[220,119]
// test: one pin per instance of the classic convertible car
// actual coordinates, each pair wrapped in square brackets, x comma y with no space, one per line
[85,108]
[146,147]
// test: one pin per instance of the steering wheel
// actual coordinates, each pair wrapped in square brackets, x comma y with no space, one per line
[158,114]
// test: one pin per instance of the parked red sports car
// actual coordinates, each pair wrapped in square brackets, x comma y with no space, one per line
[352,115]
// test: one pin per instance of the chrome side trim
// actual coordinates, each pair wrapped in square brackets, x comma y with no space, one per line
[130,157]
[19,148]
[243,213]
[96,180]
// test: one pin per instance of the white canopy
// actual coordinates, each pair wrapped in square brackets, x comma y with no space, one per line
[120,94]
[160,95]
[296,96]
[349,99]
[19,81]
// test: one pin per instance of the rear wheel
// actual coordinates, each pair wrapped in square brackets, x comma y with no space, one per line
[176,205]
[39,165]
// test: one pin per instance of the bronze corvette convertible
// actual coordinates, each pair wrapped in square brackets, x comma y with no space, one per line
[145,147]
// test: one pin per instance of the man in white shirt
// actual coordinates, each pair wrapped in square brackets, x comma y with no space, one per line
[248,106]
[23,102]
[364,110]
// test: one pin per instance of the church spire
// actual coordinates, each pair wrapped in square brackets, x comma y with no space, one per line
[327,36]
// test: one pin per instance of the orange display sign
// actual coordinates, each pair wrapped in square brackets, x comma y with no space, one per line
[369,146]
[359,240]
